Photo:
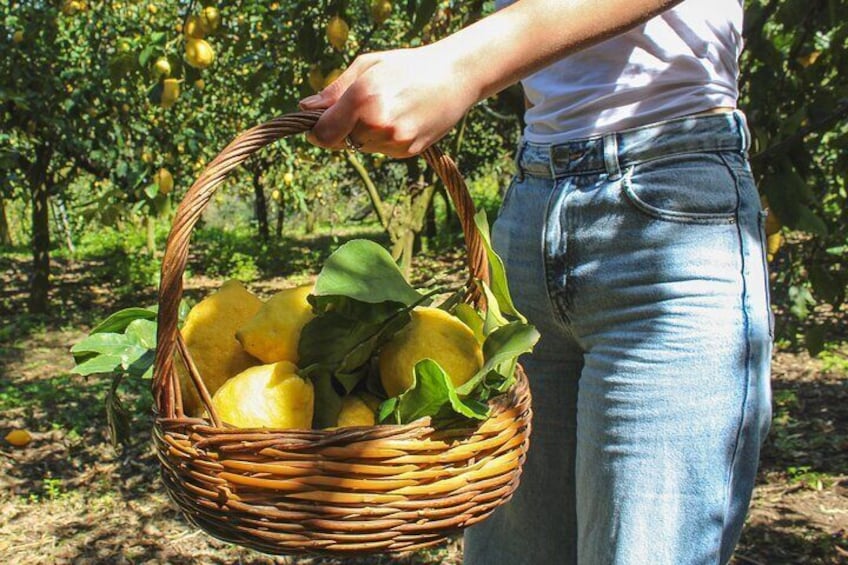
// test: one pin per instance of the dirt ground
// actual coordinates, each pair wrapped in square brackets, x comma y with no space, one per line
[69,497]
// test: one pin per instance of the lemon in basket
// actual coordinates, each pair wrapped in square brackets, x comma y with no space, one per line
[273,333]
[266,396]
[209,332]
[356,411]
[431,334]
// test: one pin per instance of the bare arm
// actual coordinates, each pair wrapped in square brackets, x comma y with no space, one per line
[400,102]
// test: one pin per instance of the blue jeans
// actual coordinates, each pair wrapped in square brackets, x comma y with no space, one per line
[639,256]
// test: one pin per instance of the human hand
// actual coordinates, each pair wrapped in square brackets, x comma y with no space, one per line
[394,102]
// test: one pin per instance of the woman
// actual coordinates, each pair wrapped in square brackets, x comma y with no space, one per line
[632,234]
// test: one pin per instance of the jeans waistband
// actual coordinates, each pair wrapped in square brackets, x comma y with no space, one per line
[613,152]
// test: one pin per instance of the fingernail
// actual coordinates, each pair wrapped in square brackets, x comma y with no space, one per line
[310,101]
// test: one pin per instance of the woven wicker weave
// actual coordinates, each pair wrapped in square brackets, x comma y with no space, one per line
[347,491]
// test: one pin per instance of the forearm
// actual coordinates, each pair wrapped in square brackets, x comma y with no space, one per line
[522,38]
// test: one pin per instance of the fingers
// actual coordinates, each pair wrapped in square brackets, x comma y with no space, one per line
[337,99]
[332,93]
[335,124]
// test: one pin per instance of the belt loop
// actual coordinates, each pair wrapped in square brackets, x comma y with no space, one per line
[611,156]
[519,170]
[744,132]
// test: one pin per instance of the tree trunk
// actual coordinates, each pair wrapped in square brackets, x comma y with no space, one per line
[5,231]
[281,216]
[310,222]
[40,192]
[260,204]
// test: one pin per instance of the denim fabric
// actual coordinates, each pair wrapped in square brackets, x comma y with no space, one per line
[640,258]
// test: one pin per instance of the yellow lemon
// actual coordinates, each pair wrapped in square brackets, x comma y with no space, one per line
[162,68]
[198,53]
[273,333]
[19,438]
[773,244]
[380,10]
[71,8]
[355,412]
[288,178]
[316,78]
[18,37]
[170,92]
[431,334]
[209,332]
[200,84]
[210,18]
[337,32]
[266,396]
[194,28]
[164,180]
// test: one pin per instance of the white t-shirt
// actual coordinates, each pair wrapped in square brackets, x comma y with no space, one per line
[681,62]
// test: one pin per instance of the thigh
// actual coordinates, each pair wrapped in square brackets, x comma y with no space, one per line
[538,526]
[666,289]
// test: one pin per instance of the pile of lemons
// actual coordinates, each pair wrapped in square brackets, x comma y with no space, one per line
[246,352]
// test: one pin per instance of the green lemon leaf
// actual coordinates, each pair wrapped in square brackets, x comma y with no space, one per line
[336,341]
[119,321]
[142,332]
[99,364]
[363,270]
[387,408]
[505,344]
[493,318]
[471,318]
[432,394]
[497,271]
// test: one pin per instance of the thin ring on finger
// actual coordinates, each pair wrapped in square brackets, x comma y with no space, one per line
[351,144]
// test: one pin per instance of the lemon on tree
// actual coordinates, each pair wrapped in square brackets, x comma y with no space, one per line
[194,28]
[337,32]
[266,396]
[380,11]
[288,178]
[162,68]
[210,18]
[209,332]
[18,37]
[164,180]
[71,7]
[274,332]
[198,53]
[431,334]
[316,78]
[170,92]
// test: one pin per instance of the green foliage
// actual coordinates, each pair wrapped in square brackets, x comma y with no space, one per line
[795,91]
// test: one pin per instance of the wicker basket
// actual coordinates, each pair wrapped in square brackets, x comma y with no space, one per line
[348,491]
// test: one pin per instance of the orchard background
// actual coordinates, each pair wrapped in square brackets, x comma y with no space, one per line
[110,110]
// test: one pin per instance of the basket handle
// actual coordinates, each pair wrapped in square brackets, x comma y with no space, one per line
[166,390]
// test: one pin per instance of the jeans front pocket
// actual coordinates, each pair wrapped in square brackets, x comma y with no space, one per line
[695,188]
